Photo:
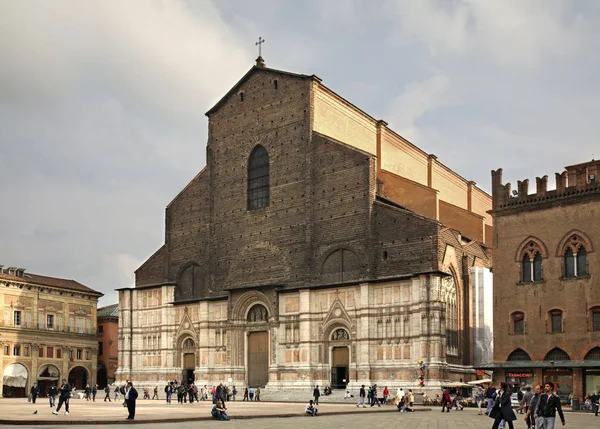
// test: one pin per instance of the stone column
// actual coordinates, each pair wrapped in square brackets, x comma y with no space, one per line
[363,346]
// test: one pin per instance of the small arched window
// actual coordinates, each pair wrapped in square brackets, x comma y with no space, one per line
[518,323]
[258,179]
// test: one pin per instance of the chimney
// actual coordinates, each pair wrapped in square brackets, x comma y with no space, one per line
[523,187]
[541,185]
[561,181]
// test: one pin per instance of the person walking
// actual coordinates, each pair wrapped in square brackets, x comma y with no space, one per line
[245,395]
[35,392]
[489,395]
[234,393]
[131,396]
[168,392]
[107,394]
[411,397]
[52,392]
[361,395]
[547,406]
[87,392]
[65,393]
[316,394]
[94,392]
[531,406]
[446,401]
[258,394]
[479,397]
[502,409]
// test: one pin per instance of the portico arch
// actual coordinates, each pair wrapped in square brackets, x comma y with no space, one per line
[14,381]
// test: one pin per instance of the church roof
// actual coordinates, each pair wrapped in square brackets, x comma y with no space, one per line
[247,76]
[49,281]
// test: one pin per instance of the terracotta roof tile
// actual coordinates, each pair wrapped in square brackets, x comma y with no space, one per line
[50,281]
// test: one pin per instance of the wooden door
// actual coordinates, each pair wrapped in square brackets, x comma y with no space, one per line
[340,364]
[189,361]
[258,359]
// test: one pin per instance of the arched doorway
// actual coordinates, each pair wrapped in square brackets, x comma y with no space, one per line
[258,346]
[14,380]
[340,359]
[49,375]
[101,376]
[189,361]
[78,377]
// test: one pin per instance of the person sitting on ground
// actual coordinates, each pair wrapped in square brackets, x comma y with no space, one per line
[311,409]
[219,411]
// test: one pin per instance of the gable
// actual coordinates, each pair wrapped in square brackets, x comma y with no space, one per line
[253,71]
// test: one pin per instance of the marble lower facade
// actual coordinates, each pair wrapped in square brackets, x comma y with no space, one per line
[339,336]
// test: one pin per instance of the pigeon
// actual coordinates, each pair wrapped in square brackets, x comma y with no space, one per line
[35,412]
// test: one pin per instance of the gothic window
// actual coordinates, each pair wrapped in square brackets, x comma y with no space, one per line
[518,355]
[518,323]
[556,321]
[258,179]
[557,354]
[449,296]
[531,262]
[593,354]
[258,313]
[575,257]
[189,284]
[340,335]
[341,265]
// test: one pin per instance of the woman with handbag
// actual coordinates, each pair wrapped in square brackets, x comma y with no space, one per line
[502,409]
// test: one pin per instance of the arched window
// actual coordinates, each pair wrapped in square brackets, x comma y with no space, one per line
[449,297]
[189,283]
[593,354]
[574,253]
[258,179]
[518,323]
[341,265]
[531,255]
[557,354]
[556,321]
[518,355]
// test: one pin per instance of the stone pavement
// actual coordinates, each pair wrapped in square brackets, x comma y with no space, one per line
[334,415]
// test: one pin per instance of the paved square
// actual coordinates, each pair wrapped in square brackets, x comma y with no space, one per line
[352,417]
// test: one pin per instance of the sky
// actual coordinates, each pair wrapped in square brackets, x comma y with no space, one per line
[102,102]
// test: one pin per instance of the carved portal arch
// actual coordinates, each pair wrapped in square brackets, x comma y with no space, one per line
[340,334]
[257,313]
[247,301]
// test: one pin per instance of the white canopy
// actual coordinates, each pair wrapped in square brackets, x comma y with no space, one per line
[51,372]
[484,381]
[15,375]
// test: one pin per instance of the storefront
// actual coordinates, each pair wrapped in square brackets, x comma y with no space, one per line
[519,378]
[591,380]
[562,379]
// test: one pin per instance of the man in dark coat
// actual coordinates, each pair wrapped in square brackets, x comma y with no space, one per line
[316,394]
[131,395]
[35,391]
[65,393]
[52,392]
[547,406]
[502,409]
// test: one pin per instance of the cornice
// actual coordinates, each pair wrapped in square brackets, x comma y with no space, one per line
[50,290]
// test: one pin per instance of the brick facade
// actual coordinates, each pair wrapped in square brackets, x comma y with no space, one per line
[330,245]
[547,222]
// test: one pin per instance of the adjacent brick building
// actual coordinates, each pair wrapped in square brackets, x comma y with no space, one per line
[317,246]
[546,290]
[108,332]
[48,332]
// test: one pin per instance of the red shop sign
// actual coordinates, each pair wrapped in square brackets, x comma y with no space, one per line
[519,374]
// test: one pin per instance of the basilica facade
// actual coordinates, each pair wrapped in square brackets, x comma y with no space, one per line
[317,246]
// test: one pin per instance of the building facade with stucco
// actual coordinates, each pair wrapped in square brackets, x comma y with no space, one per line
[47,333]
[317,246]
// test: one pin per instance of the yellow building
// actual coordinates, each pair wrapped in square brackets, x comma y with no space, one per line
[48,332]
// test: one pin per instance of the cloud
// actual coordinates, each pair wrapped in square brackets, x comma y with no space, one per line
[507,32]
